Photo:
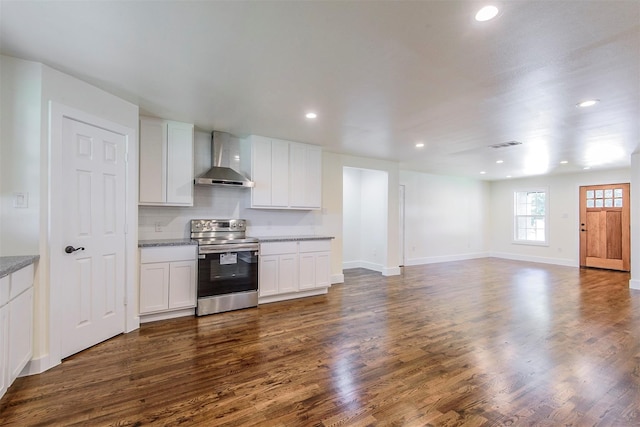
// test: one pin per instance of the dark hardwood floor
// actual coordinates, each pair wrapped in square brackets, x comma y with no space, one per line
[475,343]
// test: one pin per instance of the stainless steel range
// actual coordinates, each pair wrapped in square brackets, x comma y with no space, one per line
[227,265]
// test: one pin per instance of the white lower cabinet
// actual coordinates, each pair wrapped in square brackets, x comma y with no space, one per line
[16,324]
[293,269]
[168,279]
[154,287]
[4,349]
[278,268]
[20,333]
[182,284]
[314,270]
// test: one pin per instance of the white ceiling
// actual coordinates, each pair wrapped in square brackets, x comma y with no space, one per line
[382,76]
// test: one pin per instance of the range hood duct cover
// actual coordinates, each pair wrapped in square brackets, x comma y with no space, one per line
[225,152]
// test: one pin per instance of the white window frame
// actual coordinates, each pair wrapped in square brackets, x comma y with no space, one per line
[516,216]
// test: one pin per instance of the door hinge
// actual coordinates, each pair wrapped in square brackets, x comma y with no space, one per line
[126,229]
[126,157]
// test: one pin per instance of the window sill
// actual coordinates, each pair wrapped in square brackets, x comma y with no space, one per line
[529,243]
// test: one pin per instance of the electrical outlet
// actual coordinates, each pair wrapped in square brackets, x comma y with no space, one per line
[158,227]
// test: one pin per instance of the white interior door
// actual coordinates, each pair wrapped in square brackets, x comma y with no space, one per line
[93,277]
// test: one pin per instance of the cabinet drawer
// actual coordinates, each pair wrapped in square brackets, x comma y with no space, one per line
[21,280]
[167,254]
[315,245]
[276,248]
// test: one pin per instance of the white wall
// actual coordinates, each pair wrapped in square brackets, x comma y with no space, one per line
[564,215]
[365,208]
[27,90]
[20,139]
[446,218]
[634,283]
[351,213]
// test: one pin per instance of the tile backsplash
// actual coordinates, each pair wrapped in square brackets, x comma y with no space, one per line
[160,222]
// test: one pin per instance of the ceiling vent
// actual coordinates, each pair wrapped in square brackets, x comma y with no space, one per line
[505,144]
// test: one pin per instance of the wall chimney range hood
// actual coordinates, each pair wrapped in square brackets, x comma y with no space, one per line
[225,155]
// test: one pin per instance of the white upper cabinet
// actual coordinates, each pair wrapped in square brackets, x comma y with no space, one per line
[166,162]
[286,175]
[270,172]
[306,176]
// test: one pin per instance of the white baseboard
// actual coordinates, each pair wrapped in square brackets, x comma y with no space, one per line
[446,258]
[362,264]
[132,325]
[350,264]
[38,366]
[293,295]
[634,284]
[543,260]
[391,271]
[337,278]
[386,271]
[144,318]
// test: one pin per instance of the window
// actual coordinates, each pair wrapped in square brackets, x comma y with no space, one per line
[530,217]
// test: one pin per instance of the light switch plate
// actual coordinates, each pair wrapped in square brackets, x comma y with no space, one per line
[20,200]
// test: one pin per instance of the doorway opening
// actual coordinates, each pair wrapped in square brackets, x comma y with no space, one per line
[364,227]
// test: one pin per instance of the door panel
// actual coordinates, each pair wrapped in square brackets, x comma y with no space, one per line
[614,235]
[604,226]
[592,238]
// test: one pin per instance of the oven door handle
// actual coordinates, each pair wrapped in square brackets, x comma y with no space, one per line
[223,249]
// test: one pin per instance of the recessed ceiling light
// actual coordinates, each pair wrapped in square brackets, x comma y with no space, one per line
[499,161]
[587,103]
[311,115]
[564,162]
[482,172]
[420,145]
[508,176]
[486,13]
[586,167]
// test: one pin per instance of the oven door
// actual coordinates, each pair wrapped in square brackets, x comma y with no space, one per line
[227,269]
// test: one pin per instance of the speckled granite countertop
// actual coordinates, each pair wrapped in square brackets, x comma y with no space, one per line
[166,242]
[292,238]
[9,264]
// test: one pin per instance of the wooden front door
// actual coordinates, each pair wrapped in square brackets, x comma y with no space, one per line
[604,227]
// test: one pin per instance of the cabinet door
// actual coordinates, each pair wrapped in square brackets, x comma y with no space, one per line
[153,159]
[268,275]
[323,270]
[179,163]
[20,333]
[279,173]
[4,349]
[307,271]
[261,171]
[315,270]
[298,174]
[306,176]
[313,179]
[154,287]
[287,273]
[182,284]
